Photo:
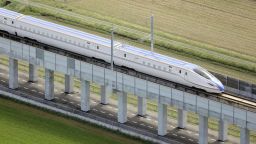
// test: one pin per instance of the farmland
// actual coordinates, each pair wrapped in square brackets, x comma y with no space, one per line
[222,23]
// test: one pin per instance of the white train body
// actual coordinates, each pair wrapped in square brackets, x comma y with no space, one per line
[124,55]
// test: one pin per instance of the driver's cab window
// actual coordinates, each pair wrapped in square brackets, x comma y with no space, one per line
[201,73]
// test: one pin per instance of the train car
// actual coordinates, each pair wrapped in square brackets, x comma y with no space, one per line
[124,55]
[8,20]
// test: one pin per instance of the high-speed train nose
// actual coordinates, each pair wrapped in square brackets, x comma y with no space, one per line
[221,87]
[218,84]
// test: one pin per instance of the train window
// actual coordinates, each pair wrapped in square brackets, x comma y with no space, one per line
[186,73]
[88,42]
[98,47]
[143,63]
[5,18]
[180,71]
[170,66]
[12,22]
[124,55]
[148,64]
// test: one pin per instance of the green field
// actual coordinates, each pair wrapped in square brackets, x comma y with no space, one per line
[22,124]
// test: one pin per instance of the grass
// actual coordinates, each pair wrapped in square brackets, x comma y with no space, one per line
[24,124]
[165,40]
[193,119]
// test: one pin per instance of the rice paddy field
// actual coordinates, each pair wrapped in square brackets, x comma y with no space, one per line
[218,35]
[228,24]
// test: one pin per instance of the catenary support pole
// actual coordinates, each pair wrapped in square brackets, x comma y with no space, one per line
[112,49]
[152,32]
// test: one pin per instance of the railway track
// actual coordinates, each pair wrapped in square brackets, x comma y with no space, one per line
[238,100]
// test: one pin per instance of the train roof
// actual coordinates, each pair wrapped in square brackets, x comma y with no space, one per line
[159,57]
[9,14]
[93,38]
[66,30]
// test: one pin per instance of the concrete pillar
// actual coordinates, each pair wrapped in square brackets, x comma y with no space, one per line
[13,73]
[85,95]
[182,118]
[223,130]
[32,73]
[244,136]
[162,119]
[69,80]
[203,129]
[106,92]
[49,84]
[142,106]
[122,107]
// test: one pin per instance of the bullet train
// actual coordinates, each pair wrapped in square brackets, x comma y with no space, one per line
[98,47]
